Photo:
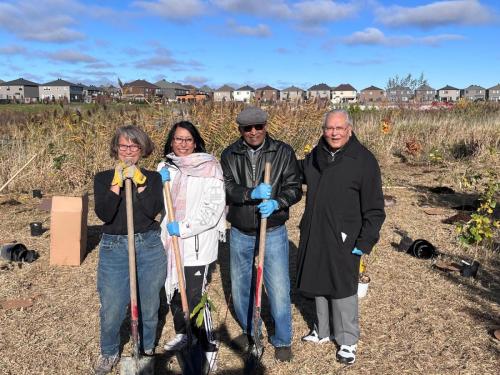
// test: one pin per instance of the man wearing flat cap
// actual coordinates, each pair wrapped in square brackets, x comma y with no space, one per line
[243,166]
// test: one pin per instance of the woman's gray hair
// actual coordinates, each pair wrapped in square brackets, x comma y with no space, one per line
[348,117]
[135,135]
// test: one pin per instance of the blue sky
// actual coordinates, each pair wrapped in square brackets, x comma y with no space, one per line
[255,42]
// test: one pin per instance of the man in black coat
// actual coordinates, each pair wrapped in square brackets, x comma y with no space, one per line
[342,219]
[243,166]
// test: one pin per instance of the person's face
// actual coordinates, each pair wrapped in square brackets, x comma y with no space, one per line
[253,134]
[183,142]
[336,130]
[128,151]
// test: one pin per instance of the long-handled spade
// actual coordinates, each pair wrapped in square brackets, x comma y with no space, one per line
[190,365]
[259,277]
[133,365]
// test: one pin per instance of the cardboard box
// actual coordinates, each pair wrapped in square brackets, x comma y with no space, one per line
[68,230]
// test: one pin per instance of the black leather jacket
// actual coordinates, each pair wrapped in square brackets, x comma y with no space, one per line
[239,182]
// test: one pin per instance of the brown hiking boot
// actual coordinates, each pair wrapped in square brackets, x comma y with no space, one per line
[105,364]
[283,353]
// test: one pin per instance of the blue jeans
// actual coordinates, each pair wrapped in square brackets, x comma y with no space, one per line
[113,286]
[276,280]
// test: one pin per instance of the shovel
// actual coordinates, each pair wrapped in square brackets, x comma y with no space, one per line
[188,362]
[133,365]
[260,273]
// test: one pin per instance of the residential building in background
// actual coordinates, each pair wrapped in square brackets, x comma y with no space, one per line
[169,91]
[293,94]
[474,93]
[372,94]
[425,94]
[399,94]
[267,94]
[244,94]
[448,94]
[61,90]
[139,90]
[223,94]
[208,91]
[319,91]
[344,93]
[494,93]
[21,90]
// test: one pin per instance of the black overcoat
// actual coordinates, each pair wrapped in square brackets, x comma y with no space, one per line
[344,209]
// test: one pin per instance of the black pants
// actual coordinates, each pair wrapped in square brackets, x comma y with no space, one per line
[196,281]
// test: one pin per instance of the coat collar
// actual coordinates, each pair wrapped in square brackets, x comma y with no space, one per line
[350,149]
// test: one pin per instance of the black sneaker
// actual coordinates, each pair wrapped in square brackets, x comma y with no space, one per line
[241,343]
[283,353]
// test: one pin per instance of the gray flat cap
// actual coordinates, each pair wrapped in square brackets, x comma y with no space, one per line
[251,116]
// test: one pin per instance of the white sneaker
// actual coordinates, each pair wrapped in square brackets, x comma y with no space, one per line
[314,338]
[211,361]
[179,342]
[347,354]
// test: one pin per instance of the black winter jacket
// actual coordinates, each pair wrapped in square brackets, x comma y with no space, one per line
[239,182]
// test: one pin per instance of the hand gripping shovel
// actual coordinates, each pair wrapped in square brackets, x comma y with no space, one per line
[260,273]
[133,365]
[189,364]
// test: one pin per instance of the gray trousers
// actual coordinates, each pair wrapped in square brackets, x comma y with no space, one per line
[344,314]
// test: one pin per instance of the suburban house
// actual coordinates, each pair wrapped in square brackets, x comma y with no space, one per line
[344,93]
[474,93]
[223,94]
[372,94]
[90,93]
[170,90]
[292,94]
[448,94]
[139,90]
[494,93]
[20,89]
[425,94]
[192,97]
[320,91]
[244,94]
[61,90]
[209,92]
[399,94]
[111,91]
[267,94]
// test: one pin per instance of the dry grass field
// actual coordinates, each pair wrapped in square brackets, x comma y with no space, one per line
[415,319]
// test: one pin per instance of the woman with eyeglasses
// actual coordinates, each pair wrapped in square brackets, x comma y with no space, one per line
[128,145]
[197,190]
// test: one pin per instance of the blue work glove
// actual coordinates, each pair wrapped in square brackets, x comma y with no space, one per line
[262,191]
[173,228]
[356,251]
[267,208]
[165,175]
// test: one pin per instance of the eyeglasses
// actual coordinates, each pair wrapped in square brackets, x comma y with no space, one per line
[337,129]
[133,148]
[248,128]
[180,140]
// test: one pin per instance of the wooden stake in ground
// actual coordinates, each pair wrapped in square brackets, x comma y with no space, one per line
[260,271]
[19,171]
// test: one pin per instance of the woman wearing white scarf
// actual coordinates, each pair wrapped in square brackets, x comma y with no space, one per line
[198,196]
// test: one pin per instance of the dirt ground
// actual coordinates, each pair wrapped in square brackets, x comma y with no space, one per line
[414,319]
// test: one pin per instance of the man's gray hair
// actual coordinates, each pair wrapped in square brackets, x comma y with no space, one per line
[348,117]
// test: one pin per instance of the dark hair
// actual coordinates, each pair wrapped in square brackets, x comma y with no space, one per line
[198,141]
[135,135]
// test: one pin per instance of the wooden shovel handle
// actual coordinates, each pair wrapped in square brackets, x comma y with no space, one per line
[262,243]
[131,250]
[177,253]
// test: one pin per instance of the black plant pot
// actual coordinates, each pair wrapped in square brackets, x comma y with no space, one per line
[36,228]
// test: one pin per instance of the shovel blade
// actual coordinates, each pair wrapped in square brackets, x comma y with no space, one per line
[131,366]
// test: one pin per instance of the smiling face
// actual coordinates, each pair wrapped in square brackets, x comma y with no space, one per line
[254,135]
[337,130]
[183,142]
[128,151]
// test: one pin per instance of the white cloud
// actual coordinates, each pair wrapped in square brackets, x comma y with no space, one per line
[71,56]
[162,58]
[174,9]
[195,80]
[259,30]
[439,13]
[264,8]
[321,11]
[373,36]
[12,50]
